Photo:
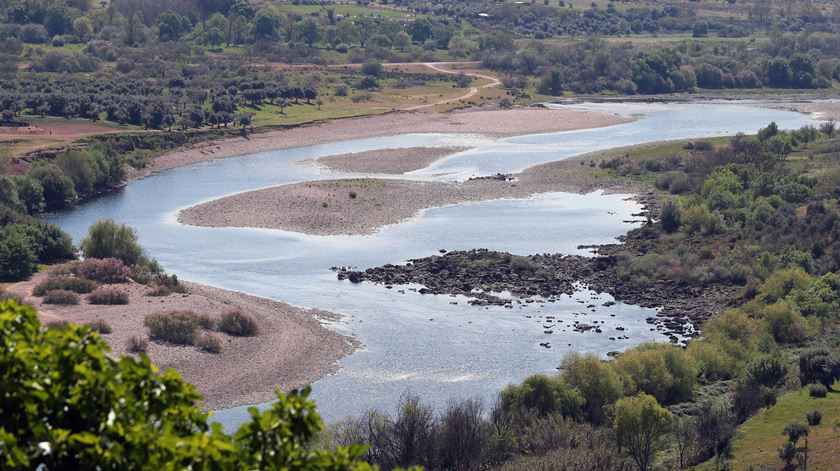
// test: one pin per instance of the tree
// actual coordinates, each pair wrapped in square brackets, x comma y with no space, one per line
[828,128]
[778,72]
[596,381]
[31,194]
[552,82]
[820,366]
[308,31]
[372,68]
[69,404]
[107,239]
[82,28]
[265,26]
[790,451]
[402,40]
[171,26]
[57,20]
[543,395]
[700,29]
[17,261]
[639,424]
[58,188]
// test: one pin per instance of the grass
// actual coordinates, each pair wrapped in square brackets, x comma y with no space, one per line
[757,441]
[349,10]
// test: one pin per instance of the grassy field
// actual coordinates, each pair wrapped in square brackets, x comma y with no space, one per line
[349,10]
[757,441]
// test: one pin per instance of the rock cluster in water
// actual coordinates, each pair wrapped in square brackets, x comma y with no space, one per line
[484,275]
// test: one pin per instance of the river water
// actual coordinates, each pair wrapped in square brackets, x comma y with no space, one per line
[439,347]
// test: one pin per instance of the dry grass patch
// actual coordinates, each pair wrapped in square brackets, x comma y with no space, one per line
[61,297]
[238,323]
[108,295]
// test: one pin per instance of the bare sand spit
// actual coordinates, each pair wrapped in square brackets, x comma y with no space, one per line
[393,161]
[493,123]
[291,350]
[364,205]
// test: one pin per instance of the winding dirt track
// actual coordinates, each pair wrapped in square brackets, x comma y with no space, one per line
[438,67]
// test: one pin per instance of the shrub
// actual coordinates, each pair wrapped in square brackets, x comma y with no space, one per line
[159,291]
[670,216]
[108,295]
[352,195]
[817,390]
[238,323]
[137,344]
[814,418]
[661,370]
[178,327]
[819,366]
[76,285]
[16,257]
[542,395]
[675,182]
[104,270]
[60,324]
[61,296]
[522,264]
[107,239]
[100,326]
[372,68]
[209,342]
[597,382]
[784,323]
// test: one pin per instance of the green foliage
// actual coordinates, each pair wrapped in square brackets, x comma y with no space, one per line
[543,395]
[31,194]
[69,404]
[819,366]
[17,259]
[640,423]
[107,239]
[699,220]
[596,382]
[664,372]
[785,323]
[782,283]
[670,215]
[58,189]
[767,370]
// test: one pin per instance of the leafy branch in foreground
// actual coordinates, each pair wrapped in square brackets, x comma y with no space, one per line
[67,403]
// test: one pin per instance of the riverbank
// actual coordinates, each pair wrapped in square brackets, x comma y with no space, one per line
[498,123]
[291,350]
[364,205]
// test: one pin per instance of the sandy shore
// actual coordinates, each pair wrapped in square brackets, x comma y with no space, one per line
[487,122]
[292,349]
[364,205]
[394,161]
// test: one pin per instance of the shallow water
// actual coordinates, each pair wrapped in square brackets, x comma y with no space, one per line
[436,346]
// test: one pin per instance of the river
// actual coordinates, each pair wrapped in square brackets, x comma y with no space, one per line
[439,347]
